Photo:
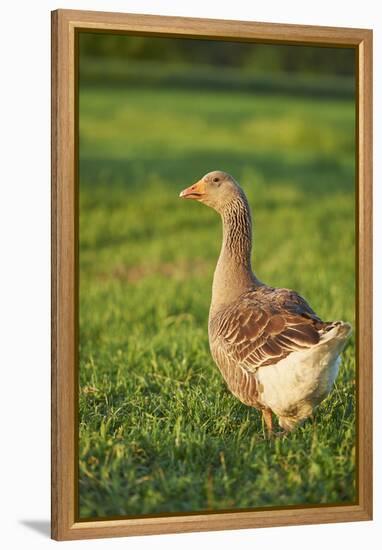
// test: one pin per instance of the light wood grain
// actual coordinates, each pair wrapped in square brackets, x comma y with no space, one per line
[64,384]
[65,23]
[364,273]
[216,28]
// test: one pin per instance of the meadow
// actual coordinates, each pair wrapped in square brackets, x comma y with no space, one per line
[159,432]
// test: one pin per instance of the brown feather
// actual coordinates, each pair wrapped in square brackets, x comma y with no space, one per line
[265,325]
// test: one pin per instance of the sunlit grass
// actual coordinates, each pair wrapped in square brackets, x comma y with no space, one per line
[159,432]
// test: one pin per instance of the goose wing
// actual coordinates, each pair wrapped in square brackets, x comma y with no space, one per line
[264,326]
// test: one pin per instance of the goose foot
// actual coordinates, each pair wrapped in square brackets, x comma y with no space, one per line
[281,434]
[268,420]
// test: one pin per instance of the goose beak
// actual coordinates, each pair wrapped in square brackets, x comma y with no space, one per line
[195,191]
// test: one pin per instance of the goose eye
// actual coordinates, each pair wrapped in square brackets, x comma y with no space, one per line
[216,179]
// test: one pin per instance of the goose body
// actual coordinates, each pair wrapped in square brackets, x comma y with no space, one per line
[272,349]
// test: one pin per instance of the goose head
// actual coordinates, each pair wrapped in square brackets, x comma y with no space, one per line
[216,189]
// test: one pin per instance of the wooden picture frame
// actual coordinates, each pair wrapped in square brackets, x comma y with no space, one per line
[65,25]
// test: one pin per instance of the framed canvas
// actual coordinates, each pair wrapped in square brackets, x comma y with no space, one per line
[174,409]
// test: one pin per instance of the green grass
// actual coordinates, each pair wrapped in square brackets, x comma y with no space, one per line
[159,432]
[179,76]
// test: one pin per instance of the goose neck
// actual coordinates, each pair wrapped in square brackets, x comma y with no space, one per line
[233,274]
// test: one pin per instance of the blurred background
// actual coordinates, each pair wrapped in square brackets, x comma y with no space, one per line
[158,430]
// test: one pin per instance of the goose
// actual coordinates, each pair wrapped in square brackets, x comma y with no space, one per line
[273,351]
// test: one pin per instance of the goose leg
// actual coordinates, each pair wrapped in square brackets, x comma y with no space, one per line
[267,416]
